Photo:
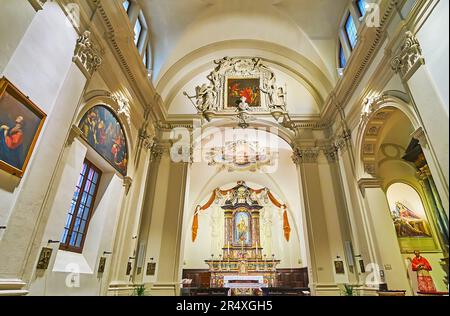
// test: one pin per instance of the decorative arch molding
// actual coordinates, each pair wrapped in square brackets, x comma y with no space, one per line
[376,112]
[263,125]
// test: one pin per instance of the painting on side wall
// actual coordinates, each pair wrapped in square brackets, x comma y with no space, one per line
[410,220]
[21,122]
[248,88]
[102,130]
[339,267]
[408,223]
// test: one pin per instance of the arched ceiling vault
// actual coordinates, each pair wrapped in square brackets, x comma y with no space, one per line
[298,36]
[277,57]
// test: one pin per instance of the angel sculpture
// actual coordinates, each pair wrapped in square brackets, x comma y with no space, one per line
[205,96]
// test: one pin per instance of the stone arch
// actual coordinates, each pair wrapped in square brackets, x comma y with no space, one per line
[376,113]
[270,127]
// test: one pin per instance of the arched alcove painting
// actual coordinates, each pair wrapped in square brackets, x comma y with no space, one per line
[102,130]
[410,219]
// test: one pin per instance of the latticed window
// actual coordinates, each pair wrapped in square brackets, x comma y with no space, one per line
[81,209]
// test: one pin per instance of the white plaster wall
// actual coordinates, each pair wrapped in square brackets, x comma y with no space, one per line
[434,40]
[38,68]
[15,17]
[73,273]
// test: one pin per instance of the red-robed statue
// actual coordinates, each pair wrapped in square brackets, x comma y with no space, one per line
[423,268]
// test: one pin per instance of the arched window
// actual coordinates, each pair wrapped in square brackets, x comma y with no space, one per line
[126,5]
[342,58]
[350,30]
[361,6]
[141,32]
[138,28]
[350,26]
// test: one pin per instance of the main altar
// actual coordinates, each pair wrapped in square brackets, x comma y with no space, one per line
[241,266]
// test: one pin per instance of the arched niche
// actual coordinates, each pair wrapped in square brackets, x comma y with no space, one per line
[412,225]
[373,127]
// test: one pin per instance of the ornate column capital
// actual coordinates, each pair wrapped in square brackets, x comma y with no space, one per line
[86,55]
[369,183]
[409,57]
[158,150]
[305,155]
[331,153]
[420,135]
[127,182]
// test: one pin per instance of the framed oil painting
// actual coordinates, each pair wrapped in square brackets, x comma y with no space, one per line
[339,267]
[104,133]
[242,229]
[21,122]
[243,87]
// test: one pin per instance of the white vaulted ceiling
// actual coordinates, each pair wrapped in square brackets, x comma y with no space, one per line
[298,38]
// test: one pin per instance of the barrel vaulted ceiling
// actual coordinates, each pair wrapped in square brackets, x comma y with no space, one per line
[297,38]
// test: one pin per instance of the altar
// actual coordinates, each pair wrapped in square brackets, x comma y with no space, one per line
[242,267]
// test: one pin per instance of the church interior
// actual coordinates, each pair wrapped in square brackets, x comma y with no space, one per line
[224,147]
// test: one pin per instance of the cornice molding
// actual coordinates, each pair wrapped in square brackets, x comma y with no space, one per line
[369,183]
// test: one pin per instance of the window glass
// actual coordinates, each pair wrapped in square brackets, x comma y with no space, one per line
[351,31]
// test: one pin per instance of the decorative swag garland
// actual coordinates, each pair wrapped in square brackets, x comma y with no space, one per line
[218,193]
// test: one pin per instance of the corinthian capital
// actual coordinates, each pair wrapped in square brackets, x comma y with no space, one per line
[409,57]
[86,56]
[305,155]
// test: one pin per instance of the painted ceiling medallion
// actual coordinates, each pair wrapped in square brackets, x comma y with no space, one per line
[241,155]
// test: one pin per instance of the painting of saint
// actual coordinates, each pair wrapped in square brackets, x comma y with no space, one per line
[20,124]
[242,228]
[102,130]
[248,88]
[408,223]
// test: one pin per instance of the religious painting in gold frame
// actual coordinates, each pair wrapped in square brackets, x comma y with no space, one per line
[21,122]
[242,228]
[44,258]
